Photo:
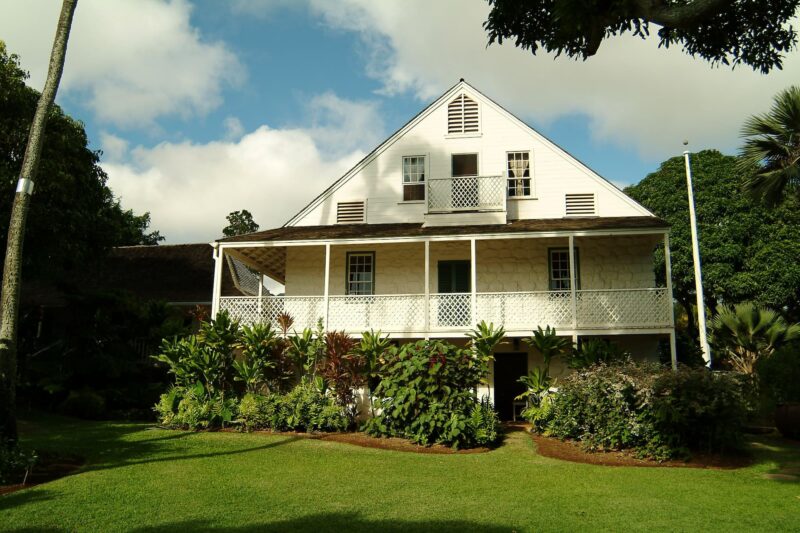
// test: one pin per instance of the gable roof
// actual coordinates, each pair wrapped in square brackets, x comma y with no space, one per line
[445,97]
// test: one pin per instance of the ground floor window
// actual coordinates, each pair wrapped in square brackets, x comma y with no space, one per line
[559,269]
[360,273]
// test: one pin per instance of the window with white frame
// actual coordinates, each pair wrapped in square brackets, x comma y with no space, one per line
[519,174]
[360,273]
[413,178]
[559,269]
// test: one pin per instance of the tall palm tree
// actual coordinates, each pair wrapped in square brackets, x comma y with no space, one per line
[772,143]
[747,333]
[12,266]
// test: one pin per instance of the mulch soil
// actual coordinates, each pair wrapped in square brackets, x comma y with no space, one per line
[47,468]
[572,451]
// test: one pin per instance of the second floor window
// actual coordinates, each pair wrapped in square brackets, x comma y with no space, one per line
[360,273]
[519,174]
[559,269]
[413,178]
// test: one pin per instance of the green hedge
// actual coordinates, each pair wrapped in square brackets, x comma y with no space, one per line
[660,413]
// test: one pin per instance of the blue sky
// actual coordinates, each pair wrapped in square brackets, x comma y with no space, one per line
[205,107]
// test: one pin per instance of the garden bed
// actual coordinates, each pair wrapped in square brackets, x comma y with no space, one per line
[568,450]
[48,468]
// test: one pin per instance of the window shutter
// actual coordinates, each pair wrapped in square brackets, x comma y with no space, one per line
[462,115]
[351,212]
[580,205]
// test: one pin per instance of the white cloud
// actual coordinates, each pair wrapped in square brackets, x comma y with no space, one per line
[634,93]
[190,187]
[133,61]
[233,128]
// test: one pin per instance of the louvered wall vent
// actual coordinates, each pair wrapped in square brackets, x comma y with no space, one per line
[462,115]
[580,205]
[351,212]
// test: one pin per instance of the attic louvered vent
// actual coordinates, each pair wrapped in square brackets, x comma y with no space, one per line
[580,204]
[351,212]
[462,115]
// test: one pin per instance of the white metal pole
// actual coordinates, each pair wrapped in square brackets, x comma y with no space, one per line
[698,276]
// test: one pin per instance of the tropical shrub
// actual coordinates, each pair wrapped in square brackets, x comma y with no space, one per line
[193,408]
[427,392]
[745,334]
[590,352]
[15,463]
[305,408]
[779,376]
[343,370]
[656,411]
[538,382]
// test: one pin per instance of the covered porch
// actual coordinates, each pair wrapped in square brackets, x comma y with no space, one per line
[439,282]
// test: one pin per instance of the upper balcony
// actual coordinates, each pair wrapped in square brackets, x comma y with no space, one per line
[476,199]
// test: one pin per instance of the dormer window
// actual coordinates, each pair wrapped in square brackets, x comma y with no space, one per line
[462,115]
[414,178]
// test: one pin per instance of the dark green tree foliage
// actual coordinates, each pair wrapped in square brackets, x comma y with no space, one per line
[749,252]
[753,32]
[74,216]
[239,223]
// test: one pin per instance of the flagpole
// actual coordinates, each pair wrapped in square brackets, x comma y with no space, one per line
[698,275]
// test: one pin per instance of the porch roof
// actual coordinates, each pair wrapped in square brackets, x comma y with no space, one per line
[369,231]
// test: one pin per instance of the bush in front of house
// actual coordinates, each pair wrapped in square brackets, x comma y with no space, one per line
[658,412]
[427,393]
[305,408]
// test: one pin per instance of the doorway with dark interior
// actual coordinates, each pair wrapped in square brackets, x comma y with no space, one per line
[508,368]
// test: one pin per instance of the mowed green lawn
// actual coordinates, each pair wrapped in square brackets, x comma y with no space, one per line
[143,479]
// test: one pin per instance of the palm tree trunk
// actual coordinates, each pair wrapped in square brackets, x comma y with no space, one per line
[12,269]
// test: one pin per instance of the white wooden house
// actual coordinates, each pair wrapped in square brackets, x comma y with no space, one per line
[465,214]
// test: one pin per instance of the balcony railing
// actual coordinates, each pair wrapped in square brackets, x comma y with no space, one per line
[453,312]
[467,193]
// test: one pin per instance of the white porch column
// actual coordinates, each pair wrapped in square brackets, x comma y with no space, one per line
[573,289]
[327,283]
[217,254]
[473,282]
[668,268]
[427,289]
[260,304]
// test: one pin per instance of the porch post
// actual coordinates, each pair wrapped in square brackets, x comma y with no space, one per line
[260,305]
[473,301]
[572,284]
[668,267]
[217,254]
[427,289]
[327,283]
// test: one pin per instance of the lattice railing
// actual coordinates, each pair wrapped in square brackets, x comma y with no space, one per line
[467,193]
[305,310]
[526,310]
[388,313]
[623,308]
[450,311]
[405,313]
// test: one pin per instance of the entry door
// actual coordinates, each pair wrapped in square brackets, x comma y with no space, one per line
[454,279]
[465,181]
[508,368]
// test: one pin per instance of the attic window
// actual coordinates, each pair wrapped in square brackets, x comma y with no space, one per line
[462,115]
[580,204]
[351,212]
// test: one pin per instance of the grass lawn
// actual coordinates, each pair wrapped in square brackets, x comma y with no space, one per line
[144,479]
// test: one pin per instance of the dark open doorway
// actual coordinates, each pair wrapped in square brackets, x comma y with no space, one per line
[508,368]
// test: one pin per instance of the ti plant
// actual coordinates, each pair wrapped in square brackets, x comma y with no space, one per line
[549,344]
[484,338]
[373,348]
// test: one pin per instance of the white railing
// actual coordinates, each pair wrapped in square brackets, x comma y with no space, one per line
[396,313]
[467,193]
[526,310]
[623,308]
[306,311]
[516,311]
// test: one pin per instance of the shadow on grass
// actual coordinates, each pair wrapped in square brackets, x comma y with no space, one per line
[783,453]
[107,445]
[351,522]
